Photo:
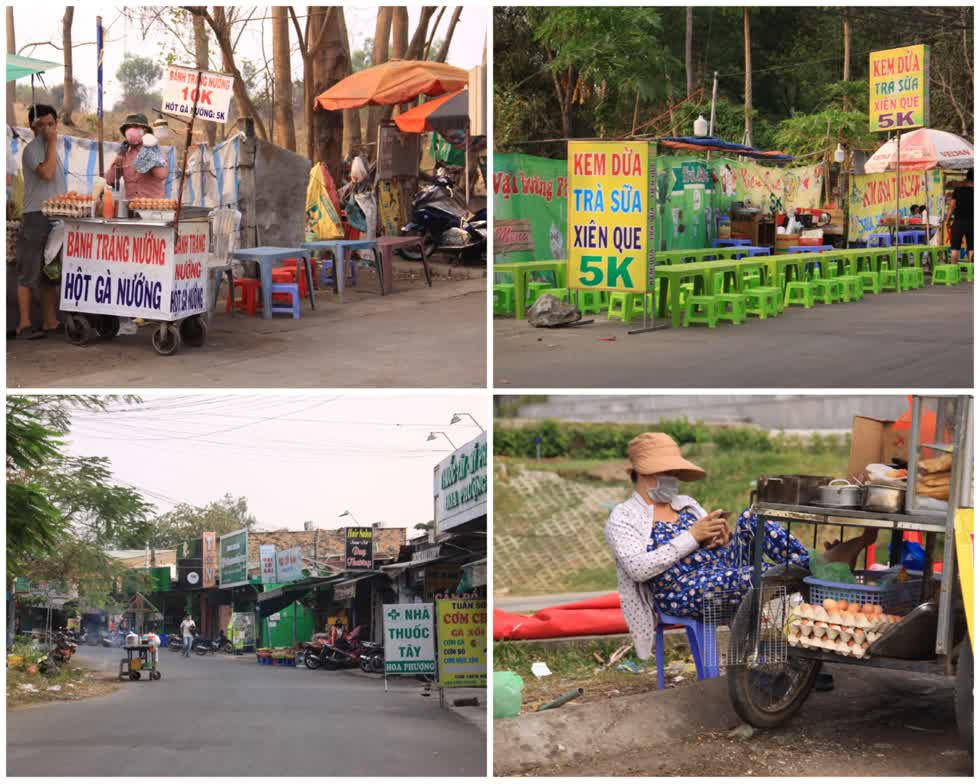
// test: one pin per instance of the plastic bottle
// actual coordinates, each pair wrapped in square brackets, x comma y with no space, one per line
[122,210]
[108,204]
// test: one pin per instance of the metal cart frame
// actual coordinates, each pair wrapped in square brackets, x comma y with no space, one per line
[146,654]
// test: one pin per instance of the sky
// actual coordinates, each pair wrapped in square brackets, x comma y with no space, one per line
[123,37]
[293,456]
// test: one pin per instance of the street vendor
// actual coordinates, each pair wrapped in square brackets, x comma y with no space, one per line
[670,552]
[139,162]
[44,178]
[961,218]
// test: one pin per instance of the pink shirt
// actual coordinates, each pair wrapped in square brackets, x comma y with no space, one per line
[138,186]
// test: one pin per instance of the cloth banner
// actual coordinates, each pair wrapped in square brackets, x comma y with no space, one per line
[872,198]
[530,207]
[769,188]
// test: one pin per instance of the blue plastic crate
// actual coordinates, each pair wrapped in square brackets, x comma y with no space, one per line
[895,599]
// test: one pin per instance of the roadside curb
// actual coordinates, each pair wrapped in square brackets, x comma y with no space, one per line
[574,733]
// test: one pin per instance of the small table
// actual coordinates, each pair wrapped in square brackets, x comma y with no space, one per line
[673,274]
[809,248]
[519,270]
[729,242]
[386,245]
[339,250]
[753,250]
[912,237]
[266,258]
[879,239]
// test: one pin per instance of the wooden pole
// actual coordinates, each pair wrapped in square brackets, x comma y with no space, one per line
[101,130]
[187,148]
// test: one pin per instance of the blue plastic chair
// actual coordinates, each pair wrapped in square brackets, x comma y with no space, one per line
[698,632]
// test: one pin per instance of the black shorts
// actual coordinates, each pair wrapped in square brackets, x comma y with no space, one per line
[34,230]
[959,231]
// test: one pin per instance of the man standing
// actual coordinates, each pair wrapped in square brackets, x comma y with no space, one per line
[961,218]
[44,177]
[187,629]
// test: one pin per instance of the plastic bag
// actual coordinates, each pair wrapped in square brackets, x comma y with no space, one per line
[369,207]
[321,216]
[358,171]
[355,215]
[832,572]
[507,690]
[52,251]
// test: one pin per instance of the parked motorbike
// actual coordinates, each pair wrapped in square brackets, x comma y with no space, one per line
[114,640]
[63,649]
[175,642]
[345,652]
[373,658]
[202,645]
[443,222]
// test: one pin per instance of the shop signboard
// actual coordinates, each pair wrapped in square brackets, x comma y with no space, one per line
[530,207]
[267,560]
[289,565]
[233,551]
[358,548]
[872,199]
[135,271]
[409,639]
[188,573]
[209,559]
[460,485]
[343,592]
[461,631]
[180,89]
[898,90]
[609,215]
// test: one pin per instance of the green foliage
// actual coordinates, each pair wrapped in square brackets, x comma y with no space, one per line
[184,522]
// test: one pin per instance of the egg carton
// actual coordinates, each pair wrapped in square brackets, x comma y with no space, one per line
[868,617]
[824,638]
[157,215]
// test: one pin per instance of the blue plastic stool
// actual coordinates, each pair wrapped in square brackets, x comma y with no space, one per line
[697,633]
[291,289]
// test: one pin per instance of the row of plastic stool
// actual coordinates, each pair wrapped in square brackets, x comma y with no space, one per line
[250,300]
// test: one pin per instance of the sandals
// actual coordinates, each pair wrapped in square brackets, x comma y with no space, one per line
[30,333]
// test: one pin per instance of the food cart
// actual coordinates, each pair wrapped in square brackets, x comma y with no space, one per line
[927,629]
[151,269]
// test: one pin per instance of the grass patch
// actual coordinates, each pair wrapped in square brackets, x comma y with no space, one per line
[27,685]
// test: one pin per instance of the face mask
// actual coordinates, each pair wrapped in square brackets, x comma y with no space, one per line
[666,489]
[134,136]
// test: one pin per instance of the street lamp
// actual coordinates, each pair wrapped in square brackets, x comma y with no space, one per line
[348,513]
[458,418]
[434,433]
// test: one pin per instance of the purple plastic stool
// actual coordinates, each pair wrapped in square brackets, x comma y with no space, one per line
[697,634]
[292,289]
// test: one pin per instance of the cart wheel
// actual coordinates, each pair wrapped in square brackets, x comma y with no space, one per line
[194,331]
[155,676]
[134,675]
[123,676]
[964,694]
[765,694]
[166,339]
[78,329]
[107,326]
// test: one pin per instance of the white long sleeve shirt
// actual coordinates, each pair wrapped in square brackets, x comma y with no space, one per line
[628,534]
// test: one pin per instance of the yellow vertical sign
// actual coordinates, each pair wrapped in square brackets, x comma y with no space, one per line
[608,191]
[461,635]
[898,88]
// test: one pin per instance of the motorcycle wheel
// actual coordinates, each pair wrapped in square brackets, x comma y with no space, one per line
[227,648]
[312,661]
[200,650]
[412,254]
[378,663]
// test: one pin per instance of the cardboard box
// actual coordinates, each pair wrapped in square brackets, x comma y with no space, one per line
[876,441]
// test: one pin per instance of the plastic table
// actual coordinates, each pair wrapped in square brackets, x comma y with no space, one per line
[809,248]
[520,270]
[266,258]
[730,242]
[912,237]
[339,250]
[754,250]
[673,274]
[386,245]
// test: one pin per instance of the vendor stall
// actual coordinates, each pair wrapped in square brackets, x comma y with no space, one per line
[891,615]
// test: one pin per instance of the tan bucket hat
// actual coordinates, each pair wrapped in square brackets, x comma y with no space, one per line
[658,453]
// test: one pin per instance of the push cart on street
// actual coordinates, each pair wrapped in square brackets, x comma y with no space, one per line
[139,659]
[930,626]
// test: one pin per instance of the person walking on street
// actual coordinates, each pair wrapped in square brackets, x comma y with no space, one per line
[187,630]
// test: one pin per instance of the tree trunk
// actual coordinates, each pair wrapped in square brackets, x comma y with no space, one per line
[329,67]
[407,51]
[68,106]
[379,55]
[352,117]
[11,49]
[399,32]
[203,61]
[417,43]
[285,131]
[444,49]
[748,76]
[427,49]
[689,50]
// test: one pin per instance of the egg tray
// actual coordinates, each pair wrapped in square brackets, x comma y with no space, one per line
[896,597]
[837,631]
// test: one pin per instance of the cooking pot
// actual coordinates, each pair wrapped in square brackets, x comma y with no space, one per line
[795,490]
[840,493]
[884,498]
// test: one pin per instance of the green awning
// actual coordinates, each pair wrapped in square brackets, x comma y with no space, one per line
[18,67]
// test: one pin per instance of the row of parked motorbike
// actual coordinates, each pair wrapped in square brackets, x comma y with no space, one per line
[346,651]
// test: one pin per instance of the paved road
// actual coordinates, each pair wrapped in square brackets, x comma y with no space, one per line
[416,337]
[530,604]
[909,340]
[227,716]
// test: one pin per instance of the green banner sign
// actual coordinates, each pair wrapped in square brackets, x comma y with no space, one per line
[530,207]
[233,558]
[691,173]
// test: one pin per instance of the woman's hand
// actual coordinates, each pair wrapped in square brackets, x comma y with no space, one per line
[712,528]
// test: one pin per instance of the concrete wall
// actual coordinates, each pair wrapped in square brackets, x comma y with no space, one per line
[324,544]
[791,412]
[272,197]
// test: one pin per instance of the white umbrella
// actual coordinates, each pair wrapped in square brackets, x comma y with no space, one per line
[923,149]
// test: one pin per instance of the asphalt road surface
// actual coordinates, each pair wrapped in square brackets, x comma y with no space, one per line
[908,340]
[227,716]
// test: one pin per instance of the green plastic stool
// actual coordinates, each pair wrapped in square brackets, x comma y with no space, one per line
[920,277]
[620,306]
[890,281]
[731,307]
[827,289]
[534,289]
[948,274]
[871,281]
[589,302]
[906,278]
[561,293]
[799,292]
[852,288]
[701,309]
[503,299]
[966,271]
[762,301]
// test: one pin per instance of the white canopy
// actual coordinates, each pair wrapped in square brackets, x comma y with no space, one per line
[922,149]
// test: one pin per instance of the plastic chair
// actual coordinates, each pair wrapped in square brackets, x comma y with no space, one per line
[762,301]
[503,299]
[589,302]
[906,278]
[291,290]
[799,292]
[620,306]
[827,289]
[871,280]
[288,275]
[731,307]
[697,633]
[249,302]
[966,271]
[701,309]
[949,274]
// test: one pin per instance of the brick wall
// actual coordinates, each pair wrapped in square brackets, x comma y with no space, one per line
[324,544]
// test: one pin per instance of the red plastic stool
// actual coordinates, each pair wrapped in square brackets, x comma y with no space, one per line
[249,302]
[288,275]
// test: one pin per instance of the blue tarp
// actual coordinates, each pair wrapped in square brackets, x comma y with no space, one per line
[713,143]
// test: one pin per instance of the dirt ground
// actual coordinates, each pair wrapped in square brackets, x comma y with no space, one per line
[71,684]
[414,337]
[877,723]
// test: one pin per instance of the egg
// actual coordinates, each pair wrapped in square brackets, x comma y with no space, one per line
[820,614]
[859,635]
[878,609]
[833,631]
[803,610]
[853,607]
[829,604]
[835,617]
[846,633]
[819,629]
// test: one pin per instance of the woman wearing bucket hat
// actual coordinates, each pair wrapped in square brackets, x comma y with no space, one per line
[670,552]
[139,162]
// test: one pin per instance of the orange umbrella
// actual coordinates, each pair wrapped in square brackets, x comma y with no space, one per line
[397,81]
[416,120]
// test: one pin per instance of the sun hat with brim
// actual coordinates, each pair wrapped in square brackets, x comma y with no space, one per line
[658,453]
[135,121]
